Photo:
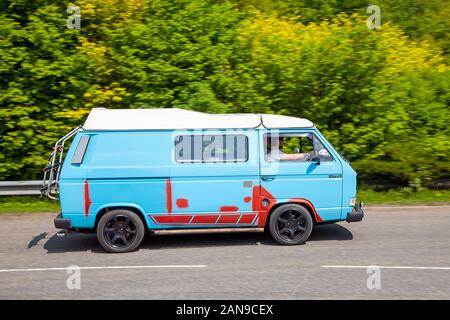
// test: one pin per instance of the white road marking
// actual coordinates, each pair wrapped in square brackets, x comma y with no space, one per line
[105,268]
[388,267]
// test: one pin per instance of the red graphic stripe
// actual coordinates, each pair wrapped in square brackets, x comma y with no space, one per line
[229,209]
[260,193]
[205,219]
[182,203]
[310,205]
[166,219]
[247,218]
[169,196]
[229,218]
[87,198]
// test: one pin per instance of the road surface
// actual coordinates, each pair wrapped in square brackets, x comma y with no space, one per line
[409,246]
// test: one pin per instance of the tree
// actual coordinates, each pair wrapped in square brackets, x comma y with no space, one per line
[380,96]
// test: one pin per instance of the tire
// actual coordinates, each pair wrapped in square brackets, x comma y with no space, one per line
[290,224]
[120,231]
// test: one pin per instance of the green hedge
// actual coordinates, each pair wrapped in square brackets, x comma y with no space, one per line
[380,96]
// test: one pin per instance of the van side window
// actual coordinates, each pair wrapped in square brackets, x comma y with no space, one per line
[211,148]
[301,147]
[80,150]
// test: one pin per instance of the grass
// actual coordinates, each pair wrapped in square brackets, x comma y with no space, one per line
[27,204]
[403,197]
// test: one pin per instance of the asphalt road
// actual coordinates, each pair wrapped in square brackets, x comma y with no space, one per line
[411,245]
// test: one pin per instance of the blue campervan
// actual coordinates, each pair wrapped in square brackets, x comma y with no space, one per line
[130,171]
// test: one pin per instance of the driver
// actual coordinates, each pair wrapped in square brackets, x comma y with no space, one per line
[275,154]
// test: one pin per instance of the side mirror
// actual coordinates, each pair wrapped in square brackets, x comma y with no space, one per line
[316,160]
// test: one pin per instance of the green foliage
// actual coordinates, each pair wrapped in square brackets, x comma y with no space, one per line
[380,96]
[404,196]
[41,75]
[419,19]
[27,204]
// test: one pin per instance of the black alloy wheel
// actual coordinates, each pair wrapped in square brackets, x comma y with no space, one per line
[120,231]
[290,224]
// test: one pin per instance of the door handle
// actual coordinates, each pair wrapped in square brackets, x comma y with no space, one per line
[268,178]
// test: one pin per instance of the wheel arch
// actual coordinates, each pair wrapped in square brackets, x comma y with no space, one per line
[300,201]
[116,206]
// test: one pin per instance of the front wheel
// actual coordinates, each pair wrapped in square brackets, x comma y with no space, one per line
[120,231]
[290,224]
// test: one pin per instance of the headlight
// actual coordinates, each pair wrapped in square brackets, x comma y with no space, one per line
[352,202]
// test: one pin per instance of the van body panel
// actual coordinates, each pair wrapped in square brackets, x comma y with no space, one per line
[319,184]
[349,188]
[138,169]
[133,154]
[220,187]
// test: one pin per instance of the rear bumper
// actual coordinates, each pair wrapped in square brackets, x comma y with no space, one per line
[357,214]
[61,223]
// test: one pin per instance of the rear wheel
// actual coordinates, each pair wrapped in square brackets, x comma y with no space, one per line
[290,224]
[120,231]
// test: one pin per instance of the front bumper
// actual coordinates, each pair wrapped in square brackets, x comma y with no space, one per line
[61,223]
[357,214]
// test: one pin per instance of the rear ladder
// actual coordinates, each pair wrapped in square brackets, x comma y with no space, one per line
[53,168]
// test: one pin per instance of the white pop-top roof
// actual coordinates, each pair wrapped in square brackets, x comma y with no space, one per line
[160,119]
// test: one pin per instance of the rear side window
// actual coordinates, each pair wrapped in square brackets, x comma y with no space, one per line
[80,150]
[211,148]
